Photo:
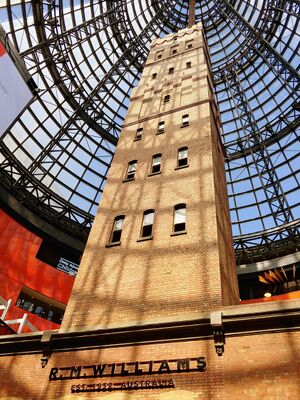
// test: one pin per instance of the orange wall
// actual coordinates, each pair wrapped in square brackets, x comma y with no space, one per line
[19,267]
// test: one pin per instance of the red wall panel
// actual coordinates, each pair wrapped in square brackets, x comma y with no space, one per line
[19,267]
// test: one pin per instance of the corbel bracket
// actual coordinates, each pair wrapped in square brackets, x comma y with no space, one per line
[218,331]
[46,347]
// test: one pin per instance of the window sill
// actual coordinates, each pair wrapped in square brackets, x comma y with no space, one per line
[185,126]
[143,239]
[155,173]
[128,180]
[178,233]
[113,244]
[181,166]
[137,139]
[160,133]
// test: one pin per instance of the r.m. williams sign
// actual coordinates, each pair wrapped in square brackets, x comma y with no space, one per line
[130,369]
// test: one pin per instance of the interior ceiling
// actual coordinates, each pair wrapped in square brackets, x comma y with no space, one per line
[86,56]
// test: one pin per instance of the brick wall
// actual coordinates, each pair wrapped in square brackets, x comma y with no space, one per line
[252,367]
[168,275]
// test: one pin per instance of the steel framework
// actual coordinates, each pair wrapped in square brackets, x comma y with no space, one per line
[87,56]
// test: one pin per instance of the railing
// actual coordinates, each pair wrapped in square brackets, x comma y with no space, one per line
[5,306]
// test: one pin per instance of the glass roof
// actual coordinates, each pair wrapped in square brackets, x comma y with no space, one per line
[86,56]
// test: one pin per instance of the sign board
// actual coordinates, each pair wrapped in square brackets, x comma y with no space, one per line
[141,373]
[59,256]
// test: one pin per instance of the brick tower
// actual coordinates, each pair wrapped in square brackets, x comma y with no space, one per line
[161,244]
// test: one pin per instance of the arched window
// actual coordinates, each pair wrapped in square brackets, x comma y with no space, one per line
[182,158]
[161,127]
[139,134]
[117,229]
[167,98]
[174,49]
[131,169]
[147,224]
[159,54]
[185,120]
[179,224]
[189,44]
[156,164]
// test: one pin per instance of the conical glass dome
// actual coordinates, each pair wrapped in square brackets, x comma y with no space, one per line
[86,56]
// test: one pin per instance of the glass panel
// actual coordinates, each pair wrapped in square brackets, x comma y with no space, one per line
[182,154]
[132,167]
[185,119]
[161,127]
[179,216]
[156,160]
[119,224]
[148,218]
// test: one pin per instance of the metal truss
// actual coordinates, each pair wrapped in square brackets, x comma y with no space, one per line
[55,53]
[267,244]
[88,111]
[88,107]
[281,127]
[257,49]
[257,44]
[253,142]
[286,237]
[86,57]
[26,184]
[43,202]
[262,160]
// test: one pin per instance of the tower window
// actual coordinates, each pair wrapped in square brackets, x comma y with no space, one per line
[161,127]
[167,98]
[147,225]
[156,164]
[131,169]
[185,120]
[188,64]
[182,157]
[117,229]
[139,134]
[174,49]
[179,218]
[158,55]
[154,75]
[171,70]
[189,44]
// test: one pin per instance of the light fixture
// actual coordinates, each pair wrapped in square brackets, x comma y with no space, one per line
[267,294]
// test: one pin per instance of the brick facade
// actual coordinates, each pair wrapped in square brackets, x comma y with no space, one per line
[169,275]
[252,367]
[138,301]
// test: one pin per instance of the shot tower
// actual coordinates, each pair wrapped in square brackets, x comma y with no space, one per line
[153,306]
[161,244]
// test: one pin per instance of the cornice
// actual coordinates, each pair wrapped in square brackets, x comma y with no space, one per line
[254,319]
[159,115]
